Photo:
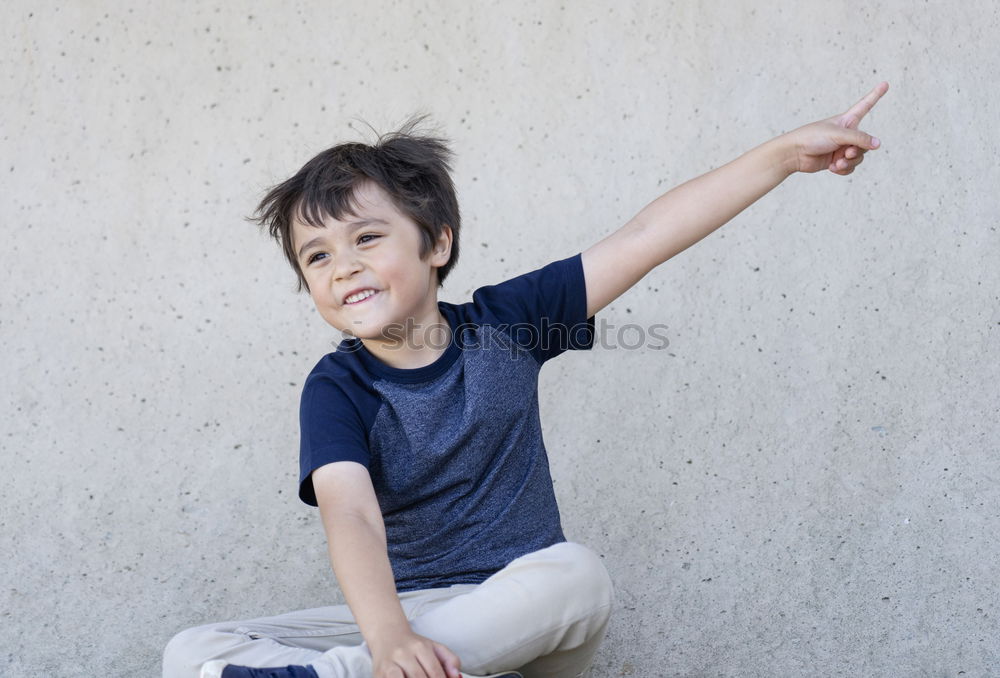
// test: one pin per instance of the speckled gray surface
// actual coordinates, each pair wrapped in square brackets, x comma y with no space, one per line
[805,483]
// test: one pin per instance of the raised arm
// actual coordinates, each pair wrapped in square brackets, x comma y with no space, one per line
[686,214]
[357,544]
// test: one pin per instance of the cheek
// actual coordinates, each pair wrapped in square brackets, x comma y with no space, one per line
[330,318]
[322,305]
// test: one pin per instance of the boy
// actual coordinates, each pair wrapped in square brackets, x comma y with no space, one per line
[421,443]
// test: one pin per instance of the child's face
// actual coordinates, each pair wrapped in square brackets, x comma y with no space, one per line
[376,253]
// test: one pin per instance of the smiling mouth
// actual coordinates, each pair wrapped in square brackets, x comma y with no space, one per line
[361,300]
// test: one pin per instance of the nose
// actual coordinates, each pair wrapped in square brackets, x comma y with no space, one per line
[345,264]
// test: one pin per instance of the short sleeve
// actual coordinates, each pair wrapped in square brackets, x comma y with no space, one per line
[331,429]
[544,310]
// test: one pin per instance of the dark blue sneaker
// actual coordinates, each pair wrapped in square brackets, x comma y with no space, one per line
[221,669]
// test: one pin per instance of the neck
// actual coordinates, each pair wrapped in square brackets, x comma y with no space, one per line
[417,345]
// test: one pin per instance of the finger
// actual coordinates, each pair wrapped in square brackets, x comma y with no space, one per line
[408,666]
[431,666]
[838,153]
[849,165]
[414,669]
[449,660]
[854,137]
[844,167]
[859,110]
[852,152]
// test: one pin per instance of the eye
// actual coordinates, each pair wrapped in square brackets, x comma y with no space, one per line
[362,239]
[317,256]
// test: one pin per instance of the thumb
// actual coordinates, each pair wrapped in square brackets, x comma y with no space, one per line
[853,137]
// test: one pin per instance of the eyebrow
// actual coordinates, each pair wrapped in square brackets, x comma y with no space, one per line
[352,226]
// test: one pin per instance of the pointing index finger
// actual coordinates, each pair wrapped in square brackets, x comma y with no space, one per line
[867,102]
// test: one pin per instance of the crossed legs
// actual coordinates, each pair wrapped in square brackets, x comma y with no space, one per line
[544,614]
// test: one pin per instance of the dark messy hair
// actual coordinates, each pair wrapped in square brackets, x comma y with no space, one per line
[411,166]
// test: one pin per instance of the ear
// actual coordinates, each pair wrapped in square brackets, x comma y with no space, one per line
[441,253]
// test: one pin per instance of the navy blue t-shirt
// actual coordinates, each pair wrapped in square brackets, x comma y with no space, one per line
[454,449]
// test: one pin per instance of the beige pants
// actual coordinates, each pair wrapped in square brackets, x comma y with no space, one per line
[544,615]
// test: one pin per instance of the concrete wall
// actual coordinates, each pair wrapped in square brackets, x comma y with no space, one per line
[805,483]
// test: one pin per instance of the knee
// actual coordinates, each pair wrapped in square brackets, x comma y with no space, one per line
[574,581]
[187,651]
[586,578]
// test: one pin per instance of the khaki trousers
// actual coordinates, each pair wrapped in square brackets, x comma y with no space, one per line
[543,615]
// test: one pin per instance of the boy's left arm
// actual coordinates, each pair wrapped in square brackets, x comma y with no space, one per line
[686,214]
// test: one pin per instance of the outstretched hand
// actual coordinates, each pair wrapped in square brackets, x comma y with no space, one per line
[836,143]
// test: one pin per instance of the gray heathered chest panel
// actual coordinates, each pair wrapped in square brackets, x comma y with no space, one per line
[459,466]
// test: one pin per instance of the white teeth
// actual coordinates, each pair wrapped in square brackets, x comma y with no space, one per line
[359,296]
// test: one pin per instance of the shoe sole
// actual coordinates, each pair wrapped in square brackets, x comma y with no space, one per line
[213,669]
